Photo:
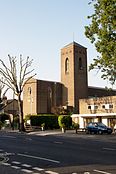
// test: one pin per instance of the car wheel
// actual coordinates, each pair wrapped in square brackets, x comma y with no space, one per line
[100,132]
[87,131]
[109,132]
[92,132]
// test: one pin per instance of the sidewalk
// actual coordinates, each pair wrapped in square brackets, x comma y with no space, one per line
[68,133]
[55,132]
[45,132]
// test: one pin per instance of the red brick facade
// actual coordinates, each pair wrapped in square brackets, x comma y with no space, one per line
[41,96]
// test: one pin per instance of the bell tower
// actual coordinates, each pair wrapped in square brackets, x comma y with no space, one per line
[74,74]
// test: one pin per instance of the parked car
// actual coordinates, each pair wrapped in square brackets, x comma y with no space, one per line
[98,128]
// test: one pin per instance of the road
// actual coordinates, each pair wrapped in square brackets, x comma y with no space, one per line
[57,154]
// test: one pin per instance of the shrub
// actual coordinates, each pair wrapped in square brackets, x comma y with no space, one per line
[4,116]
[61,121]
[65,121]
[75,125]
[51,121]
[1,124]
[16,122]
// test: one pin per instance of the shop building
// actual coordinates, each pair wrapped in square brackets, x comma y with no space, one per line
[97,109]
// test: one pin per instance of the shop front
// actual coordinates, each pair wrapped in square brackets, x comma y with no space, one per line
[109,119]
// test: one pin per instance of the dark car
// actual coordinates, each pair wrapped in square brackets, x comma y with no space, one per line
[98,128]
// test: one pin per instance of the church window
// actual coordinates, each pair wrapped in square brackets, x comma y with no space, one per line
[80,63]
[66,65]
[49,92]
[29,90]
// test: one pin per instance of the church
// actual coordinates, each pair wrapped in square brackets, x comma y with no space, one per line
[40,96]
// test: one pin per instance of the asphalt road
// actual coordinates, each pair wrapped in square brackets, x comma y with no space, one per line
[57,154]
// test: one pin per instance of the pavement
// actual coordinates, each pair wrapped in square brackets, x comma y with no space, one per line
[42,133]
[54,132]
[46,132]
[69,133]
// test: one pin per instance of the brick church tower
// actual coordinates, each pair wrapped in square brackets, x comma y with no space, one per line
[74,74]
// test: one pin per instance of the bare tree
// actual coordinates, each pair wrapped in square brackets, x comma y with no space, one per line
[16,76]
[2,94]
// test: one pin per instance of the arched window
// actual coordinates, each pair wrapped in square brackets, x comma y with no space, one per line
[29,90]
[49,100]
[80,63]
[49,93]
[66,65]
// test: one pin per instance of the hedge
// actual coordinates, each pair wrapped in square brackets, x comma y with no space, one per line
[4,116]
[51,121]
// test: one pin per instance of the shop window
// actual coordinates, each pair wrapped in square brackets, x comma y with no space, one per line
[89,107]
[107,106]
[93,107]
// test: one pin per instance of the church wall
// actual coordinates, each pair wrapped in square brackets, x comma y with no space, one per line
[80,71]
[40,96]
[49,95]
[67,77]
[29,97]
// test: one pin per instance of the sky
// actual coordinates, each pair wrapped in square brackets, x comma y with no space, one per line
[40,28]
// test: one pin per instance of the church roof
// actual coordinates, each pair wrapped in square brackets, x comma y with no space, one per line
[74,43]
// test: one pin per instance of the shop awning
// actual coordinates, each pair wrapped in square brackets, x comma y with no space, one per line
[93,115]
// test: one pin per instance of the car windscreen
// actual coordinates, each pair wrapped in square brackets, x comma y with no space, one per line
[101,125]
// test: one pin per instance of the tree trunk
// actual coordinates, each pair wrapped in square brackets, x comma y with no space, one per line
[76,130]
[21,121]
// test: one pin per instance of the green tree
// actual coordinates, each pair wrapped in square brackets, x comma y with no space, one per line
[65,122]
[15,76]
[102,32]
[61,122]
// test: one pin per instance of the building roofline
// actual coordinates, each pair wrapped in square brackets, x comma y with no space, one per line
[45,80]
[93,115]
[74,43]
[94,87]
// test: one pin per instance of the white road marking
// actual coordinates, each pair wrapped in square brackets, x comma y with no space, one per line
[58,142]
[26,165]
[37,168]
[86,172]
[28,139]
[50,172]
[16,162]
[37,157]
[6,164]
[27,171]
[4,159]
[6,153]
[106,148]
[7,136]
[15,167]
[99,171]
